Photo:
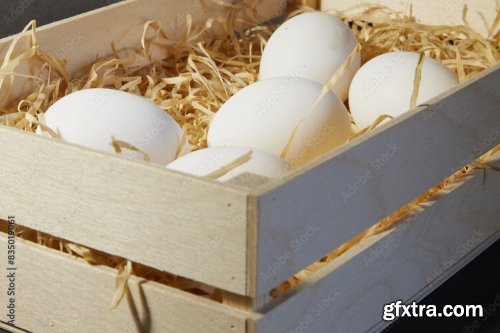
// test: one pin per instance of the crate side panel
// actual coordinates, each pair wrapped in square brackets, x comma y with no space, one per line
[481,14]
[405,263]
[145,213]
[58,293]
[85,37]
[306,217]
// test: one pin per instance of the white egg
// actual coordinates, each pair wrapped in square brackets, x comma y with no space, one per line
[312,45]
[205,161]
[91,117]
[265,114]
[384,85]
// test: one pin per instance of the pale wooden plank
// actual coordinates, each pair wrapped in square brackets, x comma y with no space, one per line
[481,14]
[57,293]
[405,263]
[316,210]
[421,294]
[88,36]
[191,227]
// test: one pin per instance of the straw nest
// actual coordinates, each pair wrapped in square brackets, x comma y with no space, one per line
[194,76]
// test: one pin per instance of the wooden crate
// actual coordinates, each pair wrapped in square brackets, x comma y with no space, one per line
[244,239]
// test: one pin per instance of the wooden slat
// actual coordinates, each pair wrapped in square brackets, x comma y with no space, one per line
[56,293]
[405,263]
[88,36]
[481,14]
[191,227]
[313,212]
[83,37]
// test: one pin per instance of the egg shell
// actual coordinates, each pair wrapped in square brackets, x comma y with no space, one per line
[384,85]
[91,117]
[264,115]
[205,161]
[311,45]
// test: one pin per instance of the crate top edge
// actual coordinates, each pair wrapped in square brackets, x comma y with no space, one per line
[55,24]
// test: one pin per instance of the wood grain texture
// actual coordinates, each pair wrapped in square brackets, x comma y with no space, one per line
[56,293]
[173,222]
[319,208]
[481,14]
[405,263]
